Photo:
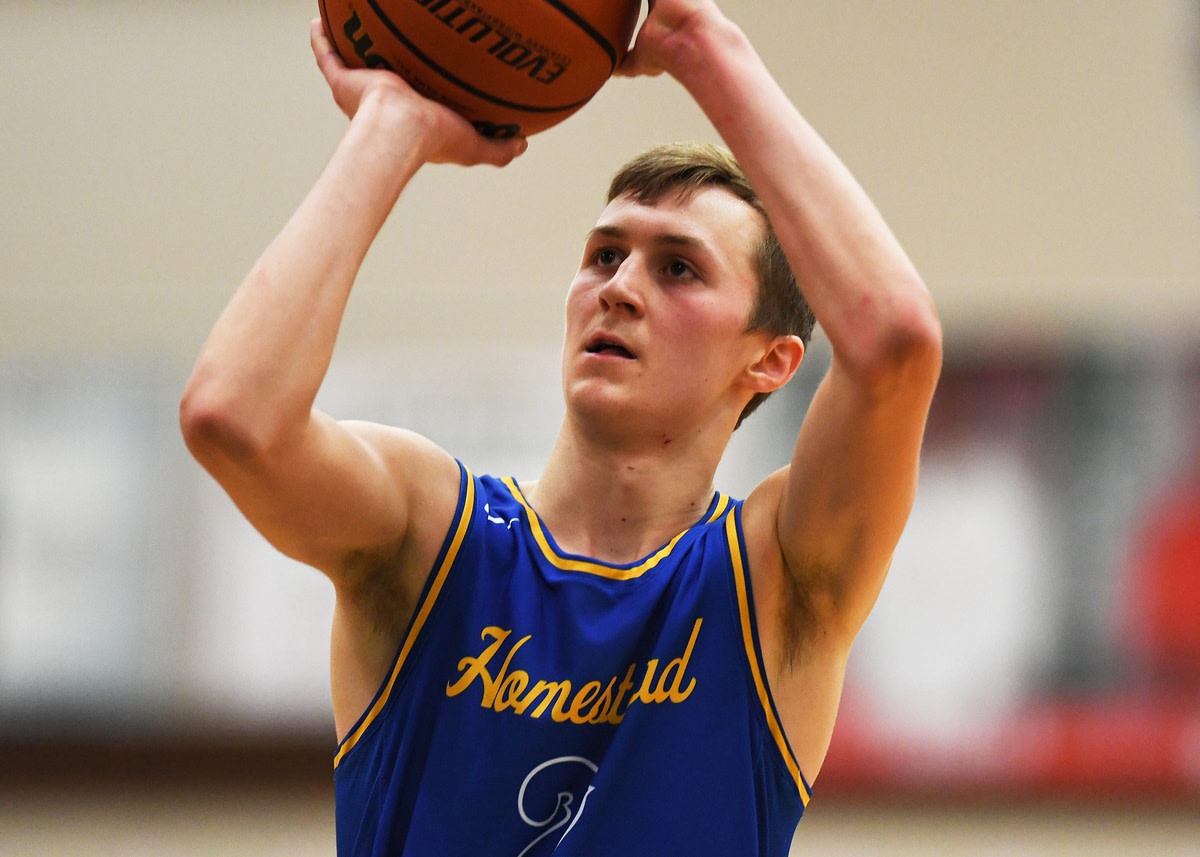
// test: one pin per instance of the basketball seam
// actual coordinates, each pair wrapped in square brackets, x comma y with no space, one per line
[590,30]
[462,84]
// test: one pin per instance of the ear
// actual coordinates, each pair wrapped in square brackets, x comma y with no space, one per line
[776,364]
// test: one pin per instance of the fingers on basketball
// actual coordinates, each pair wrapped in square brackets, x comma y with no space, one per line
[511,67]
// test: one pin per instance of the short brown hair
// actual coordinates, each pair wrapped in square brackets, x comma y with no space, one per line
[684,168]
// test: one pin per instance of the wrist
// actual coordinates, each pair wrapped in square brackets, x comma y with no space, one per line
[388,110]
[700,43]
[402,122]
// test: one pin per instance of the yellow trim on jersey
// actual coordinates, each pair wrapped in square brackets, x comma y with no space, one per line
[593,566]
[764,696]
[435,588]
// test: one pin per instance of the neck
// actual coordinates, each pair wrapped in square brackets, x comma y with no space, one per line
[619,503]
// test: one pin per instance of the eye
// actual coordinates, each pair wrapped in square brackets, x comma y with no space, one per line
[606,256]
[679,269]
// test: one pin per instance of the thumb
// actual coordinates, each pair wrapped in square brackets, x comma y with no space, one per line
[502,152]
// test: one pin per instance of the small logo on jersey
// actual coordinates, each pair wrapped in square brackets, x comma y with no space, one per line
[508,688]
[494,519]
[559,772]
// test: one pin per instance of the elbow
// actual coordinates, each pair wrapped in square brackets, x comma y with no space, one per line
[918,335]
[213,429]
[905,346]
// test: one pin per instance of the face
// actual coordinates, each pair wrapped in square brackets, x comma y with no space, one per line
[657,315]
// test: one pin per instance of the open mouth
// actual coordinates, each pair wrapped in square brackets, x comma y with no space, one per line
[601,345]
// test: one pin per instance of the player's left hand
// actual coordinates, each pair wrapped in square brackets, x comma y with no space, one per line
[665,35]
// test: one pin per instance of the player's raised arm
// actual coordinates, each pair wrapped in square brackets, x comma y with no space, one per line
[324,492]
[824,529]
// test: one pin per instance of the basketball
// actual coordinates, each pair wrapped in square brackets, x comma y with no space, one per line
[512,67]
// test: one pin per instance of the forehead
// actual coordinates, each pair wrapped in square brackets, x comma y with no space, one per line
[711,219]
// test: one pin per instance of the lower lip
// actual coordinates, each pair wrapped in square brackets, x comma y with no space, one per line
[608,355]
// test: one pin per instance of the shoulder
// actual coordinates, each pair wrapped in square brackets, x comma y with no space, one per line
[430,476]
[764,555]
[793,615]
[760,521]
[428,483]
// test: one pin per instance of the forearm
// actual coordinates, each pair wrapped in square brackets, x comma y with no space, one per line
[860,283]
[265,359]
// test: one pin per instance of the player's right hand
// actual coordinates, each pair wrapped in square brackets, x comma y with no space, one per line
[445,135]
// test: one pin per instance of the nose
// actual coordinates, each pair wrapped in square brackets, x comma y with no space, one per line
[622,291]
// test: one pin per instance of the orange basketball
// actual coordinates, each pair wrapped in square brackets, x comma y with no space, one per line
[512,67]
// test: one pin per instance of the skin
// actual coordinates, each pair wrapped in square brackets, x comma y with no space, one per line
[634,459]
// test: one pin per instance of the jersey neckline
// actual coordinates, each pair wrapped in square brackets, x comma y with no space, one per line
[565,561]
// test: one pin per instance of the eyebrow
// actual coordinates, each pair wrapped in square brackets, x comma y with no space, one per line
[666,239]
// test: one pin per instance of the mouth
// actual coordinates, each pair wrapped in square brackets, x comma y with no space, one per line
[608,346]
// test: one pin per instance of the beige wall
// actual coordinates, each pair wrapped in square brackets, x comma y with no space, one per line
[1038,157]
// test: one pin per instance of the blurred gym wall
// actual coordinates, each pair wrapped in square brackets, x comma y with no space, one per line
[1039,160]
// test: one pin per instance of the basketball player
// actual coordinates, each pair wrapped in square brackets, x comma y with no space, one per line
[614,659]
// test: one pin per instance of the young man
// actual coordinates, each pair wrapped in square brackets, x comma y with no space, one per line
[614,659]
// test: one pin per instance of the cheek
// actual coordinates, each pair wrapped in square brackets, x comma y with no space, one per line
[579,296]
[703,322]
[710,337]
[583,287]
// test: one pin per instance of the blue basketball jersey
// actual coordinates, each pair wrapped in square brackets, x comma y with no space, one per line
[546,703]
